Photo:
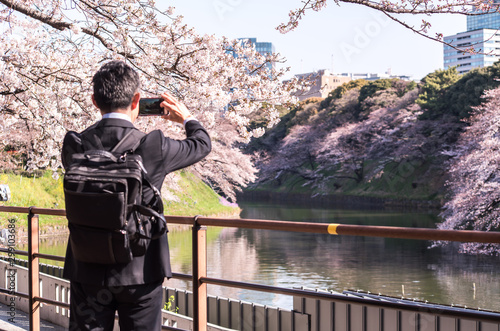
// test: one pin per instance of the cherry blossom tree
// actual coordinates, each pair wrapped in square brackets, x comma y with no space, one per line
[397,9]
[51,48]
[386,141]
[382,134]
[474,203]
[295,156]
[226,169]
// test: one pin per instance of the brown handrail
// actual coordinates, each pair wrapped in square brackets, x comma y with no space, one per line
[33,210]
[19,294]
[357,230]
[200,279]
[49,257]
[16,252]
[325,228]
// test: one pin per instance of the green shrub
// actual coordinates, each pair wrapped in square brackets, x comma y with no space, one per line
[342,89]
[369,89]
[468,91]
[435,84]
[304,114]
[311,100]
[446,92]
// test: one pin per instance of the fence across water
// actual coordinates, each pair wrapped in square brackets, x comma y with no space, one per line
[314,310]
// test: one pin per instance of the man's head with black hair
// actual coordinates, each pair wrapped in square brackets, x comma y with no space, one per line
[115,85]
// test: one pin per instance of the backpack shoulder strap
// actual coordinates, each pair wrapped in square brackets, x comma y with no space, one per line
[91,142]
[130,142]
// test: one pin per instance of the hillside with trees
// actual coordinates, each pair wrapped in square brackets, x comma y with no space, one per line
[436,143]
[388,138]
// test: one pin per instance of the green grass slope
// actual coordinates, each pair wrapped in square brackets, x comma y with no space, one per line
[194,198]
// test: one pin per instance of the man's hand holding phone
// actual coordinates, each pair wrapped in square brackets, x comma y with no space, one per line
[167,107]
[175,110]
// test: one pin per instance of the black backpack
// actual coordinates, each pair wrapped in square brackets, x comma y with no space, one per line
[107,219]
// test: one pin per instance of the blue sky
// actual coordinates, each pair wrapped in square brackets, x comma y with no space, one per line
[345,38]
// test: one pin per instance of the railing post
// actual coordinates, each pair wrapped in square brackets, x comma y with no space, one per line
[199,271]
[33,272]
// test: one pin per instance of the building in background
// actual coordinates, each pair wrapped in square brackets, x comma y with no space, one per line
[262,47]
[486,21]
[323,82]
[374,76]
[482,35]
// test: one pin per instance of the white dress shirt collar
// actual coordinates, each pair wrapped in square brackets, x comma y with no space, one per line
[117,115]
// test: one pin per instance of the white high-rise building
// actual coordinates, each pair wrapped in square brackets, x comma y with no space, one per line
[482,40]
[482,36]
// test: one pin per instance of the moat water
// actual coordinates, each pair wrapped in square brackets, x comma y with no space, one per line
[393,267]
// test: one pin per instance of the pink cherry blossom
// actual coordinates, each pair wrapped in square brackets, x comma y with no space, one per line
[51,48]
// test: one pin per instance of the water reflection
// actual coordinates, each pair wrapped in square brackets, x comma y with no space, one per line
[388,266]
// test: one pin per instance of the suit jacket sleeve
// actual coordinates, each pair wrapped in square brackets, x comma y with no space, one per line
[179,154]
[72,144]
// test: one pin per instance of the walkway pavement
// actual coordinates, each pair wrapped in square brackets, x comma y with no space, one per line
[22,321]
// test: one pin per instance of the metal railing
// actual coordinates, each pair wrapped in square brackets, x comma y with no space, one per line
[199,276]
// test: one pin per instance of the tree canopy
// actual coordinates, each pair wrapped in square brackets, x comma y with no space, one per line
[51,49]
[445,92]
[434,87]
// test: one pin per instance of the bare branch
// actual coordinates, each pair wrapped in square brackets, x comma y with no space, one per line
[413,7]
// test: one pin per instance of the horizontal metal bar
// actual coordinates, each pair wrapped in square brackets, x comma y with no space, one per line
[13,251]
[325,228]
[33,210]
[52,302]
[264,224]
[14,293]
[179,220]
[171,328]
[26,296]
[40,255]
[182,276]
[49,257]
[15,209]
[422,308]
[418,233]
[357,230]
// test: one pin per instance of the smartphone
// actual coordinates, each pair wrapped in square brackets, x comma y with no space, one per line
[150,107]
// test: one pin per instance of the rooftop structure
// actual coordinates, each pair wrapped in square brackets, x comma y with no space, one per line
[375,76]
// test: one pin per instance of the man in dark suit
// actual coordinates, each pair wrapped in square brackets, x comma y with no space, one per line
[133,289]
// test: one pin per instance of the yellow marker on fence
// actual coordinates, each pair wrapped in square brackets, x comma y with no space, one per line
[332,228]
